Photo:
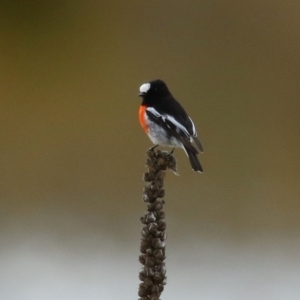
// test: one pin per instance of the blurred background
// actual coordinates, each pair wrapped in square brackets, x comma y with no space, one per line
[72,151]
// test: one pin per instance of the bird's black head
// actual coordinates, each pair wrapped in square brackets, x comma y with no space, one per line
[153,90]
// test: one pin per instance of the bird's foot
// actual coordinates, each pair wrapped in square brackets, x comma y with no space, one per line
[152,148]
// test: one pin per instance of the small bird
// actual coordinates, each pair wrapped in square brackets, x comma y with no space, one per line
[166,122]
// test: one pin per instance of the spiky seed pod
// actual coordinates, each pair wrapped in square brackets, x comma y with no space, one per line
[153,273]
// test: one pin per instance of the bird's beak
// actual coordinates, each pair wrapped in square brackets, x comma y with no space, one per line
[141,94]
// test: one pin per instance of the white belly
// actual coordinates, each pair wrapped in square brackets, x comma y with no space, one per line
[159,136]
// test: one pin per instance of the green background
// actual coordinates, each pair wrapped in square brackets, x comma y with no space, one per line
[72,151]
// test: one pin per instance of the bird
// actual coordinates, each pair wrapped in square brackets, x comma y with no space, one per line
[166,122]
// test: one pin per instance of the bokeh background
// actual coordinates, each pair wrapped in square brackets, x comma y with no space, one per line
[72,152]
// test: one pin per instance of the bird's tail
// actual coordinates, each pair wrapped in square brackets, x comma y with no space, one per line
[194,159]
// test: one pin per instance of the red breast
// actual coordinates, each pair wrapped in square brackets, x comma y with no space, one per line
[142,118]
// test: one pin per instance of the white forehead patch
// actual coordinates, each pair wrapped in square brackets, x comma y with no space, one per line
[145,87]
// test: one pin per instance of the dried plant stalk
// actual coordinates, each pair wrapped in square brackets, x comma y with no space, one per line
[153,273]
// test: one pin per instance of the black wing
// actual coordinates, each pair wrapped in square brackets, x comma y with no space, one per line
[173,128]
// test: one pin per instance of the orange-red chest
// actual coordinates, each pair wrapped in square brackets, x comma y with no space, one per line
[142,118]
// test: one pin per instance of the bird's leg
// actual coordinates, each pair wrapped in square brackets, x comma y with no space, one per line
[152,148]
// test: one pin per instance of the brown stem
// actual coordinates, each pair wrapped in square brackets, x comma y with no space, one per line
[153,273]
